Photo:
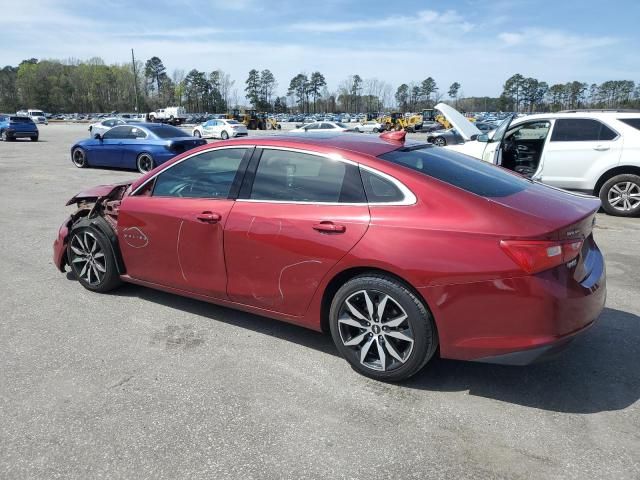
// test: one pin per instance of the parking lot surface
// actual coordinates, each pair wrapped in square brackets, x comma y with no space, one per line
[144,384]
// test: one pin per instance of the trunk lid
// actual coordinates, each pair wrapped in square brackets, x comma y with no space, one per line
[182,144]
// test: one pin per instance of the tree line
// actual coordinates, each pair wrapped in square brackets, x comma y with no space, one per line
[93,86]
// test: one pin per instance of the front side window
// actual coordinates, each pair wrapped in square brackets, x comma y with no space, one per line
[581,130]
[206,175]
[118,133]
[287,176]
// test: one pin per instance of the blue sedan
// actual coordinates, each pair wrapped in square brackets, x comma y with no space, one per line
[141,146]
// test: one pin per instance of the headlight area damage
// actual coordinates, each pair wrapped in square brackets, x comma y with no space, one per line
[97,207]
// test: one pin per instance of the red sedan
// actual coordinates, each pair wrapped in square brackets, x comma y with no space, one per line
[399,249]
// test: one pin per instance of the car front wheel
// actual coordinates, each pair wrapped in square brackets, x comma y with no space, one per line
[439,142]
[382,328]
[620,195]
[91,259]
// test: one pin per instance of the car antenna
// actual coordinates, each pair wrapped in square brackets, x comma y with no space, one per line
[394,136]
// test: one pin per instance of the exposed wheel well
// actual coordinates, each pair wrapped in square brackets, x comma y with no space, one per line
[336,282]
[625,169]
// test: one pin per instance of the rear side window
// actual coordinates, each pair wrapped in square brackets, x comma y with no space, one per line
[632,122]
[167,131]
[379,189]
[464,172]
[581,130]
[288,176]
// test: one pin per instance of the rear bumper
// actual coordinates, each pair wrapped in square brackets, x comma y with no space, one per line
[517,320]
[21,133]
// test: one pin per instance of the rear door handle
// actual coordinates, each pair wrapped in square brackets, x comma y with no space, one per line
[209,217]
[601,148]
[329,227]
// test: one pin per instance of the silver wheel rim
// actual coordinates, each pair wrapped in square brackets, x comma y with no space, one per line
[438,142]
[87,258]
[624,196]
[145,163]
[197,134]
[224,135]
[376,327]
[78,158]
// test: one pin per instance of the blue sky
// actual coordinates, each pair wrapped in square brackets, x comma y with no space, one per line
[478,43]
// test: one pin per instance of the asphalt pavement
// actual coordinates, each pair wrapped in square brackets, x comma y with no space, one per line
[143,384]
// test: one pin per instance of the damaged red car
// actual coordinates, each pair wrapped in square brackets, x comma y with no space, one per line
[400,250]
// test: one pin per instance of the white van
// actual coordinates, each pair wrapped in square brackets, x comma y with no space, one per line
[36,115]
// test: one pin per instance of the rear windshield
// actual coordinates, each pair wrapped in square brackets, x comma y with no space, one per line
[632,122]
[20,120]
[475,176]
[167,131]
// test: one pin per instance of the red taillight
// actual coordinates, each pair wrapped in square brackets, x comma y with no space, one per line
[537,255]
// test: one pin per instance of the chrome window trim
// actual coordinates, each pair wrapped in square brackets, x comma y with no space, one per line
[152,178]
[409,197]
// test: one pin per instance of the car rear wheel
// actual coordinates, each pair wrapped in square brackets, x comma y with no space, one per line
[224,135]
[439,142]
[197,134]
[375,130]
[620,195]
[144,163]
[382,328]
[91,259]
[79,157]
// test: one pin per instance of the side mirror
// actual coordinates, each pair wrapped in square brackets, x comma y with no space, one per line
[484,138]
[97,136]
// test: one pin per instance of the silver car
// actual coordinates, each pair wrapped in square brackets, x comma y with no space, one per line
[103,125]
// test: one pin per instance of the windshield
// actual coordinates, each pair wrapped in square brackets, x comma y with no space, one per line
[167,131]
[37,113]
[475,176]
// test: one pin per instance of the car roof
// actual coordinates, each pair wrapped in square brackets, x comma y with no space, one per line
[580,114]
[353,142]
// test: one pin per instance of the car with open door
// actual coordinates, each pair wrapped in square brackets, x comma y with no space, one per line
[398,249]
[596,152]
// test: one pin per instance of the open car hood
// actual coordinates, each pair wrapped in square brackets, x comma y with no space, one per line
[465,128]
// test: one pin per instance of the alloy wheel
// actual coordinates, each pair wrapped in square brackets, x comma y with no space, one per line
[376,328]
[624,196]
[145,163]
[78,158]
[88,258]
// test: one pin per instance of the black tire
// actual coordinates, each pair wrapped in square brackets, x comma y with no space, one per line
[145,163]
[197,134]
[620,195]
[6,137]
[79,157]
[89,272]
[372,331]
[224,135]
[439,142]
[375,130]
[279,127]
[3,136]
[34,139]
[356,129]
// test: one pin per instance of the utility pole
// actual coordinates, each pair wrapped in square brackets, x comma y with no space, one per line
[135,78]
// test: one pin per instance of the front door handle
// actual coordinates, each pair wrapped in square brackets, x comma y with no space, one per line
[209,217]
[601,148]
[329,227]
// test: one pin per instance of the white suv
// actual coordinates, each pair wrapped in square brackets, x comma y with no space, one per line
[592,151]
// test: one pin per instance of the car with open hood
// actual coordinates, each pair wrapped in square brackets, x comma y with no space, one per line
[596,152]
